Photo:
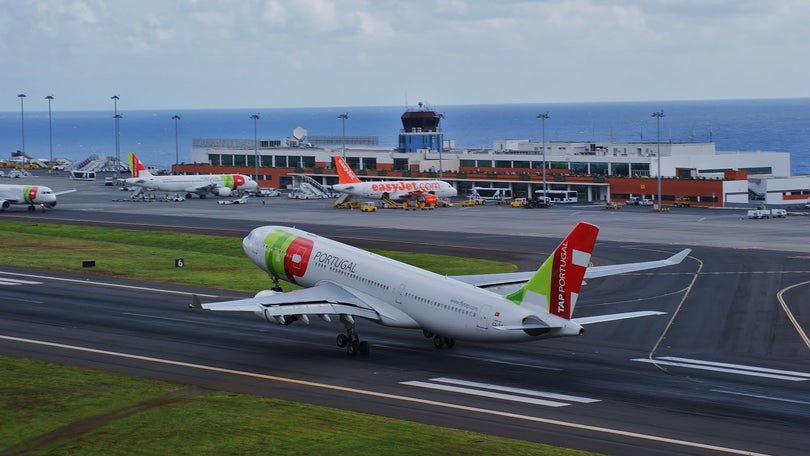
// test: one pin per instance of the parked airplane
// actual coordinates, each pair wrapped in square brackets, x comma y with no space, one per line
[32,195]
[201,184]
[400,190]
[348,283]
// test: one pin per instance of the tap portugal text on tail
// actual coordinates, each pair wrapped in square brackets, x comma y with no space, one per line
[345,282]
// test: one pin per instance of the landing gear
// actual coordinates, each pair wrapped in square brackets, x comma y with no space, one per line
[439,341]
[276,286]
[351,341]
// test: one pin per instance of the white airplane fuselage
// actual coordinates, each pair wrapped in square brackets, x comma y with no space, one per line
[403,295]
[218,184]
[32,195]
[397,190]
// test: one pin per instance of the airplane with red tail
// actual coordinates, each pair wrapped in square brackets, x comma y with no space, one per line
[346,283]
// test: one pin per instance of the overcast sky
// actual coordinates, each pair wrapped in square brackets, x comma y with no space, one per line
[185,54]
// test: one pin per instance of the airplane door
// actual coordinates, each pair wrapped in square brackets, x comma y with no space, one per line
[399,293]
[483,316]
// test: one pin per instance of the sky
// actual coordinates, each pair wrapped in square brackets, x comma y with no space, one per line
[214,54]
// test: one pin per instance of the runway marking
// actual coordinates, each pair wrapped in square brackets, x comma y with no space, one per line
[780,296]
[13,282]
[487,390]
[345,389]
[106,284]
[761,396]
[740,369]
[482,393]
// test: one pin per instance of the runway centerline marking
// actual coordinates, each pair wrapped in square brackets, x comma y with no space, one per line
[739,369]
[397,397]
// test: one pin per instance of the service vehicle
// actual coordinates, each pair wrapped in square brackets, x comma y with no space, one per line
[538,202]
[368,206]
[682,201]
[518,202]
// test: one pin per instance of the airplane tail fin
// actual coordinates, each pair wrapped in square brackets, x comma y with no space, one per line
[555,286]
[345,173]
[136,168]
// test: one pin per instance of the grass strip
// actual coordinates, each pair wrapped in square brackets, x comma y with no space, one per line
[210,261]
[38,397]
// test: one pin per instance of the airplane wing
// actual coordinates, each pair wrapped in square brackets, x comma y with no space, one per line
[323,299]
[519,278]
[613,269]
[200,188]
[66,191]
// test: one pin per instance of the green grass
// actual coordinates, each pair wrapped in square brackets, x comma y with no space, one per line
[37,398]
[210,261]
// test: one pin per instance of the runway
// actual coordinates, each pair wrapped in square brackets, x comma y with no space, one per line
[725,371]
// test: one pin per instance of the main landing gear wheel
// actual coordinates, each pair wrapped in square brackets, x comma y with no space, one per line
[352,343]
[441,342]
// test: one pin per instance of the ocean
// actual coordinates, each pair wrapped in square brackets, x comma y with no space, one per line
[734,125]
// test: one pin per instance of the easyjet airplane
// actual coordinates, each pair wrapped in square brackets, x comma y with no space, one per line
[31,195]
[201,184]
[347,283]
[395,190]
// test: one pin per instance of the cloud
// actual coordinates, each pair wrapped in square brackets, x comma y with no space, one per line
[327,52]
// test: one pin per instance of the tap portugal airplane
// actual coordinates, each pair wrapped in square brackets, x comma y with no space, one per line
[401,190]
[347,283]
[32,195]
[201,184]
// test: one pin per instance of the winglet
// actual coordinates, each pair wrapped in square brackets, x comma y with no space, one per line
[195,302]
[345,173]
[554,288]
[678,257]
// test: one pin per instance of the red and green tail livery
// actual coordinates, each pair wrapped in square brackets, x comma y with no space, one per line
[555,286]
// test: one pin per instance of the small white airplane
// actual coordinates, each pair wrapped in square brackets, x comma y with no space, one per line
[31,195]
[401,190]
[200,184]
[346,282]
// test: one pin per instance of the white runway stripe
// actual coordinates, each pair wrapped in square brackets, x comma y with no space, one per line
[7,281]
[500,392]
[738,369]
[523,391]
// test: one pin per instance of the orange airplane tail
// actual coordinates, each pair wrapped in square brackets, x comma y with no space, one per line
[345,173]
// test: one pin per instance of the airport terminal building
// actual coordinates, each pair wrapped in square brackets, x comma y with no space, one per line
[598,172]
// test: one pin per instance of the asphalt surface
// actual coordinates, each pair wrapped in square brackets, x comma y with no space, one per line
[726,370]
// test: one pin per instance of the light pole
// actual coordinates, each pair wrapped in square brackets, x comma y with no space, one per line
[658,115]
[176,117]
[343,118]
[22,121]
[543,116]
[50,127]
[117,118]
[255,118]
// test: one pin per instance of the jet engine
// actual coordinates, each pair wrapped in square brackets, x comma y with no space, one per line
[222,191]
[4,204]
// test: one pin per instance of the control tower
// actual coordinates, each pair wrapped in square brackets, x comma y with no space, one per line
[420,130]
